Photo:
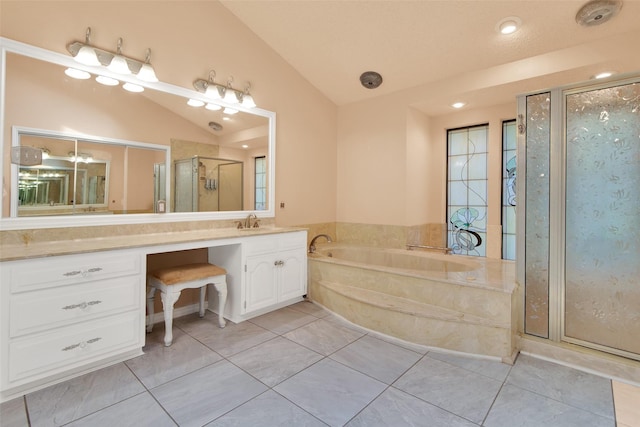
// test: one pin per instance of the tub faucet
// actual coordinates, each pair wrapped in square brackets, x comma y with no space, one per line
[312,245]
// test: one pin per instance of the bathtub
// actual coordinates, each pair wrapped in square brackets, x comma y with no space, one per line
[450,302]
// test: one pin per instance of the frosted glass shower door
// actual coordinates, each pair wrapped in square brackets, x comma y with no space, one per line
[602,213]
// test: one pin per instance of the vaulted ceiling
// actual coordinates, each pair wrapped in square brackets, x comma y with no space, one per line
[450,49]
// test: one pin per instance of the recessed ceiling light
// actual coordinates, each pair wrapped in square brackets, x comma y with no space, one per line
[458,105]
[508,25]
[603,75]
[245,146]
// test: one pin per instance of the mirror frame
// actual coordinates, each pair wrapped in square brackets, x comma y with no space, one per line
[20,223]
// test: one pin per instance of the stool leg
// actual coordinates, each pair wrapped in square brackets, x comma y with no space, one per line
[221,288]
[202,293]
[168,300]
[150,308]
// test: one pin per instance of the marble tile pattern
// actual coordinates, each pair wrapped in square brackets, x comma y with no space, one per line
[322,372]
[462,305]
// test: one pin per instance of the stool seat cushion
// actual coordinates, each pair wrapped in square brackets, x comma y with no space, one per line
[187,273]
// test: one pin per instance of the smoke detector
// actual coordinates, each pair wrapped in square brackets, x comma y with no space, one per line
[370,79]
[597,12]
[215,126]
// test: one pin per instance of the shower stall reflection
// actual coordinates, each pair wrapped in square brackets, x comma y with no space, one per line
[207,184]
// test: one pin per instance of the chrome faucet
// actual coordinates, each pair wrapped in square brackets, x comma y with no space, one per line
[312,245]
[247,221]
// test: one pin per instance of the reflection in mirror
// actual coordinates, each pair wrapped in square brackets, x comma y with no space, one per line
[39,95]
[208,184]
[75,176]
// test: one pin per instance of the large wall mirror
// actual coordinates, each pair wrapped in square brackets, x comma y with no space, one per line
[113,156]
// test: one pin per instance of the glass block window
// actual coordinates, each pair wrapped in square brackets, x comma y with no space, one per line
[260,183]
[509,147]
[467,190]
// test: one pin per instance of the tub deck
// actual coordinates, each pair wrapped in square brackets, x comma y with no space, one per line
[471,310]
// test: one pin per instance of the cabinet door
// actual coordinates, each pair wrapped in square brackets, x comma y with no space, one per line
[292,274]
[261,290]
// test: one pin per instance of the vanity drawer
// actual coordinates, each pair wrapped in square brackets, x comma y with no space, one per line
[42,273]
[293,241]
[261,244]
[58,350]
[51,308]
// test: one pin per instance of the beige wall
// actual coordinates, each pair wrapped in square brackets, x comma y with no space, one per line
[188,38]
[392,164]
[380,161]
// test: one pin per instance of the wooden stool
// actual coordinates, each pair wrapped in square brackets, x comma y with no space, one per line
[171,281]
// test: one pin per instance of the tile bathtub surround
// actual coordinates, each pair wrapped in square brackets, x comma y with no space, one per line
[302,366]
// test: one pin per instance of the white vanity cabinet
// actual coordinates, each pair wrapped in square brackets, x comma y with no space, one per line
[62,315]
[275,272]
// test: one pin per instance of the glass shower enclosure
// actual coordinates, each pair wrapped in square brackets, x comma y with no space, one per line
[206,184]
[581,264]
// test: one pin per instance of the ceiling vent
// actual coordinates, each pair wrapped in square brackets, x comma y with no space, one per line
[597,12]
[370,79]
[215,126]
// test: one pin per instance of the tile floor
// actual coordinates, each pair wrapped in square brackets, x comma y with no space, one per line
[301,366]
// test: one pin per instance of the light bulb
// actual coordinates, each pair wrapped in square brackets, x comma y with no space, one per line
[213,107]
[107,81]
[77,74]
[195,103]
[132,87]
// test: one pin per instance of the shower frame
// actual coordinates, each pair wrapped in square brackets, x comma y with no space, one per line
[557,208]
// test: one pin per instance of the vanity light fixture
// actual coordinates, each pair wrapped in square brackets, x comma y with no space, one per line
[227,93]
[603,75]
[147,73]
[230,95]
[195,103]
[77,74]
[119,63]
[80,157]
[115,62]
[85,54]
[247,99]
[107,81]
[509,25]
[46,153]
[132,87]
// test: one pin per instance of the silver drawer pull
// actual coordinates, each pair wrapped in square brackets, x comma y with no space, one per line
[278,263]
[81,344]
[82,305]
[72,273]
[83,272]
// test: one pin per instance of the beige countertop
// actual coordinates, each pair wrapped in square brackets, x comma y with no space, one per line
[29,249]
